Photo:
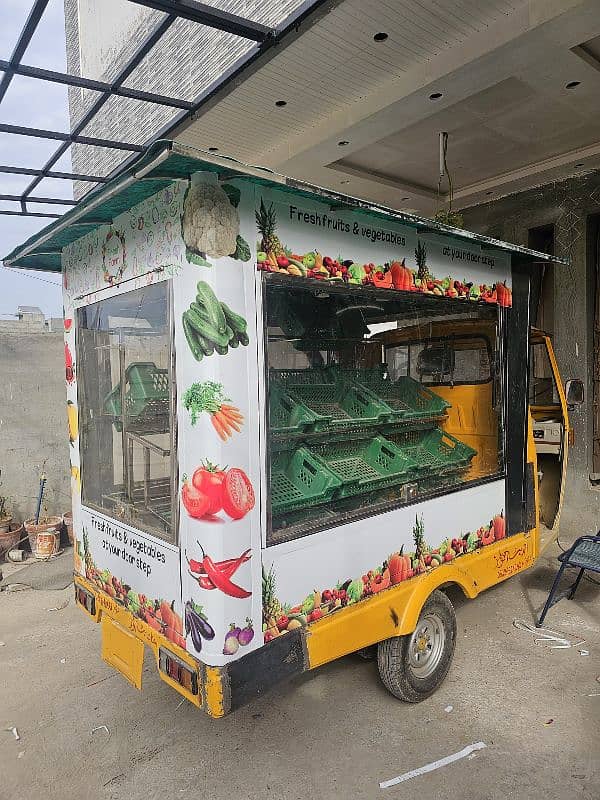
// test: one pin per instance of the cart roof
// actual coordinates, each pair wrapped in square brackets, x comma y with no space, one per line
[167,161]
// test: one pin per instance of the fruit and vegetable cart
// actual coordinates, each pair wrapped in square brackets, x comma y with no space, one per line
[293,418]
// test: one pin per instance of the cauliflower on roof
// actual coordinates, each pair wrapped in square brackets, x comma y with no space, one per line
[210,224]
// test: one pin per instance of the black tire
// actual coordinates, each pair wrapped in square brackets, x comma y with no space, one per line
[398,658]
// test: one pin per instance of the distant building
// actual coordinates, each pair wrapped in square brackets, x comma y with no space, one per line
[30,319]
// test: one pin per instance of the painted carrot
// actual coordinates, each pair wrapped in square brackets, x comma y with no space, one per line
[219,428]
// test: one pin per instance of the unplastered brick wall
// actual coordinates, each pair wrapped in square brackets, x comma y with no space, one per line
[567,205]
[33,420]
[186,61]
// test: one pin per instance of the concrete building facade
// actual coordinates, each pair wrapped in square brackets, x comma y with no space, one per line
[567,215]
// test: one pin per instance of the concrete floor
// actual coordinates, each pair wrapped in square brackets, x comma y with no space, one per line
[335,733]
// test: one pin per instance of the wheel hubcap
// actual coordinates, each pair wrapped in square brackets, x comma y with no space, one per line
[426,646]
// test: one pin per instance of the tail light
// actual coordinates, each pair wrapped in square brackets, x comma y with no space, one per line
[177,670]
[85,599]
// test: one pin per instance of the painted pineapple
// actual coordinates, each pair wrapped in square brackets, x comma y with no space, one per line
[419,540]
[421,258]
[271,605]
[266,221]
[89,561]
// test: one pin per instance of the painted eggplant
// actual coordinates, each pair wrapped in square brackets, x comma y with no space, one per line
[197,626]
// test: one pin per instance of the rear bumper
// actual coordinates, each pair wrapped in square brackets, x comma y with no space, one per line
[216,690]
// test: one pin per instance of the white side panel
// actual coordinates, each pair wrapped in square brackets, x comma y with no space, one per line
[334,556]
[219,536]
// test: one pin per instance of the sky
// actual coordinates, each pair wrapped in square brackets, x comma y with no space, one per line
[42,105]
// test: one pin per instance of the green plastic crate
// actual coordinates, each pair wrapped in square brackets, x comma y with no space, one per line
[340,405]
[287,416]
[365,465]
[406,398]
[298,480]
[434,450]
[146,394]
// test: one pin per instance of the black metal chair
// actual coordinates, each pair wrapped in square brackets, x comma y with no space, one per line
[583,554]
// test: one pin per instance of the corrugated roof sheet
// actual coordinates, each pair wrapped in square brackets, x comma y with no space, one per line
[166,161]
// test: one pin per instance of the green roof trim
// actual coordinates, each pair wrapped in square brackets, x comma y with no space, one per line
[167,161]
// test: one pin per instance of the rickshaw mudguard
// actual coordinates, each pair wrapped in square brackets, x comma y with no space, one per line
[395,611]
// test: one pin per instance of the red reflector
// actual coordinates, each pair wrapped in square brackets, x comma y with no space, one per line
[177,670]
[85,599]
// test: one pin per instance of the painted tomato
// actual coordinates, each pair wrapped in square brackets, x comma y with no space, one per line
[237,494]
[208,479]
[68,324]
[196,503]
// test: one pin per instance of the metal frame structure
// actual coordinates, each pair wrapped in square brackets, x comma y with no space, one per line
[266,40]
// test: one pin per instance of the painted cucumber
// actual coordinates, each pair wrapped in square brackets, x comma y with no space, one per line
[190,337]
[205,329]
[234,320]
[207,298]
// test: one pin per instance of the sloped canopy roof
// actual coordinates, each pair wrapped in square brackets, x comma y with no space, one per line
[166,161]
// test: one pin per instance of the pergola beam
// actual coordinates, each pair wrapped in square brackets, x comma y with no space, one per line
[95,86]
[29,29]
[57,201]
[67,176]
[29,214]
[210,16]
[41,133]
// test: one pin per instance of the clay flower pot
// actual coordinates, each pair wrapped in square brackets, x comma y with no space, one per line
[10,538]
[5,523]
[44,526]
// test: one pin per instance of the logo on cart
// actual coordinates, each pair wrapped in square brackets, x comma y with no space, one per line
[512,560]
[114,256]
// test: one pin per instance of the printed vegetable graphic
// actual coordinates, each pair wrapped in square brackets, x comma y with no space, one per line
[69,365]
[227,567]
[238,494]
[402,277]
[399,567]
[499,525]
[237,637]
[246,634]
[210,397]
[196,625]
[232,642]
[73,421]
[196,503]
[210,325]
[210,223]
[218,575]
[158,614]
[68,324]
[213,489]
[208,480]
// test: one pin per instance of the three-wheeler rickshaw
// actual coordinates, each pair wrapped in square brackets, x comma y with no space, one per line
[295,418]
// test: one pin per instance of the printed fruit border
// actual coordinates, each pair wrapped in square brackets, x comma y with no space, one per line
[274,256]
[159,613]
[280,618]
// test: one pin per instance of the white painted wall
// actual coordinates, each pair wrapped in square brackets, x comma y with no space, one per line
[105,26]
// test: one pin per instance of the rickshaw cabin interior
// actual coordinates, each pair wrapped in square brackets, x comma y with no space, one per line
[398,399]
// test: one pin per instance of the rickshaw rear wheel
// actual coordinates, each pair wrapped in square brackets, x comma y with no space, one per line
[412,667]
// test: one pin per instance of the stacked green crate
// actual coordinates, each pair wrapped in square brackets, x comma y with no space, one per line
[339,433]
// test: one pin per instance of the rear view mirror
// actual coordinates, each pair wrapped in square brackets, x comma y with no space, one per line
[574,392]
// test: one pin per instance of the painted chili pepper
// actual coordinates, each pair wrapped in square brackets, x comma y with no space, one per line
[221,581]
[227,568]
[198,566]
